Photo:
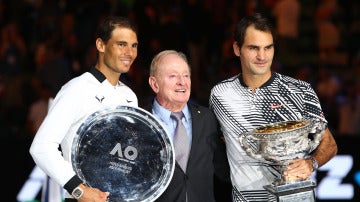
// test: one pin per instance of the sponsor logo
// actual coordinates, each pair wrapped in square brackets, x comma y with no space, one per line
[100,99]
[275,106]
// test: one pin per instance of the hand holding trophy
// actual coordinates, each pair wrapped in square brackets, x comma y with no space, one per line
[279,143]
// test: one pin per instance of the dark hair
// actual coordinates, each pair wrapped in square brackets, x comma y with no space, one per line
[261,23]
[105,28]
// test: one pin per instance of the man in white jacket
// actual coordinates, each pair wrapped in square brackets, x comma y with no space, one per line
[117,44]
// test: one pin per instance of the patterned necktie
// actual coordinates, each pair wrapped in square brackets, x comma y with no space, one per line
[181,141]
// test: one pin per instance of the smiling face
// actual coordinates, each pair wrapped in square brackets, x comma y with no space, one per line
[171,82]
[121,50]
[256,54]
[117,55]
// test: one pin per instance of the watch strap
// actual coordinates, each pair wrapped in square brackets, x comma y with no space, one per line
[315,164]
[72,184]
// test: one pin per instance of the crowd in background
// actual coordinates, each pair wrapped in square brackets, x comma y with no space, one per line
[43,44]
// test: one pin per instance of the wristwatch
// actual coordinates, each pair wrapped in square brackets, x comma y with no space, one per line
[77,192]
[315,164]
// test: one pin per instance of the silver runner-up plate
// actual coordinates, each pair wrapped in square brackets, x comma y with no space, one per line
[125,151]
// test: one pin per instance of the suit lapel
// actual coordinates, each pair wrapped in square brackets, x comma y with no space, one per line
[196,123]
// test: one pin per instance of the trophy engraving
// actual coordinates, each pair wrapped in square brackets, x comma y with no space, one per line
[279,143]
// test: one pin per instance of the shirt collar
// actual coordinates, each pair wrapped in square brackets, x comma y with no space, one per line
[267,83]
[165,113]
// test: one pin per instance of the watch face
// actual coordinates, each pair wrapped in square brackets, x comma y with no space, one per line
[77,192]
[125,151]
[315,164]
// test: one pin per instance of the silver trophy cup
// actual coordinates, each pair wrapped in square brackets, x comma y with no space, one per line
[279,143]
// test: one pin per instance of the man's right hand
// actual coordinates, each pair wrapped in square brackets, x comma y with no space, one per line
[93,195]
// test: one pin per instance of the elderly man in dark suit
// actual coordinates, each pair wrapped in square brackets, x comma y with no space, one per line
[205,156]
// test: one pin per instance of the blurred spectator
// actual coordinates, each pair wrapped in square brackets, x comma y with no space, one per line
[328,33]
[39,108]
[12,50]
[287,15]
[52,67]
[349,110]
[328,87]
[304,73]
[229,63]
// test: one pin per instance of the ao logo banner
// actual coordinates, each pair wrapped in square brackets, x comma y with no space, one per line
[339,179]
[336,180]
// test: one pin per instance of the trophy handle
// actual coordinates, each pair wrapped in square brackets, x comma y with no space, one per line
[316,131]
[249,149]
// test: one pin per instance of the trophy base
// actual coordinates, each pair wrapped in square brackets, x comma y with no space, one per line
[293,192]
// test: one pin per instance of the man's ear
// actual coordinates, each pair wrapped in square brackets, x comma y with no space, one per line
[153,84]
[236,49]
[100,46]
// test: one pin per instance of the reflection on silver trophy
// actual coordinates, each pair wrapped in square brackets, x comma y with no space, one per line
[279,143]
[126,151]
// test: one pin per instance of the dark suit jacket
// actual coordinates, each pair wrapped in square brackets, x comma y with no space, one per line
[207,157]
